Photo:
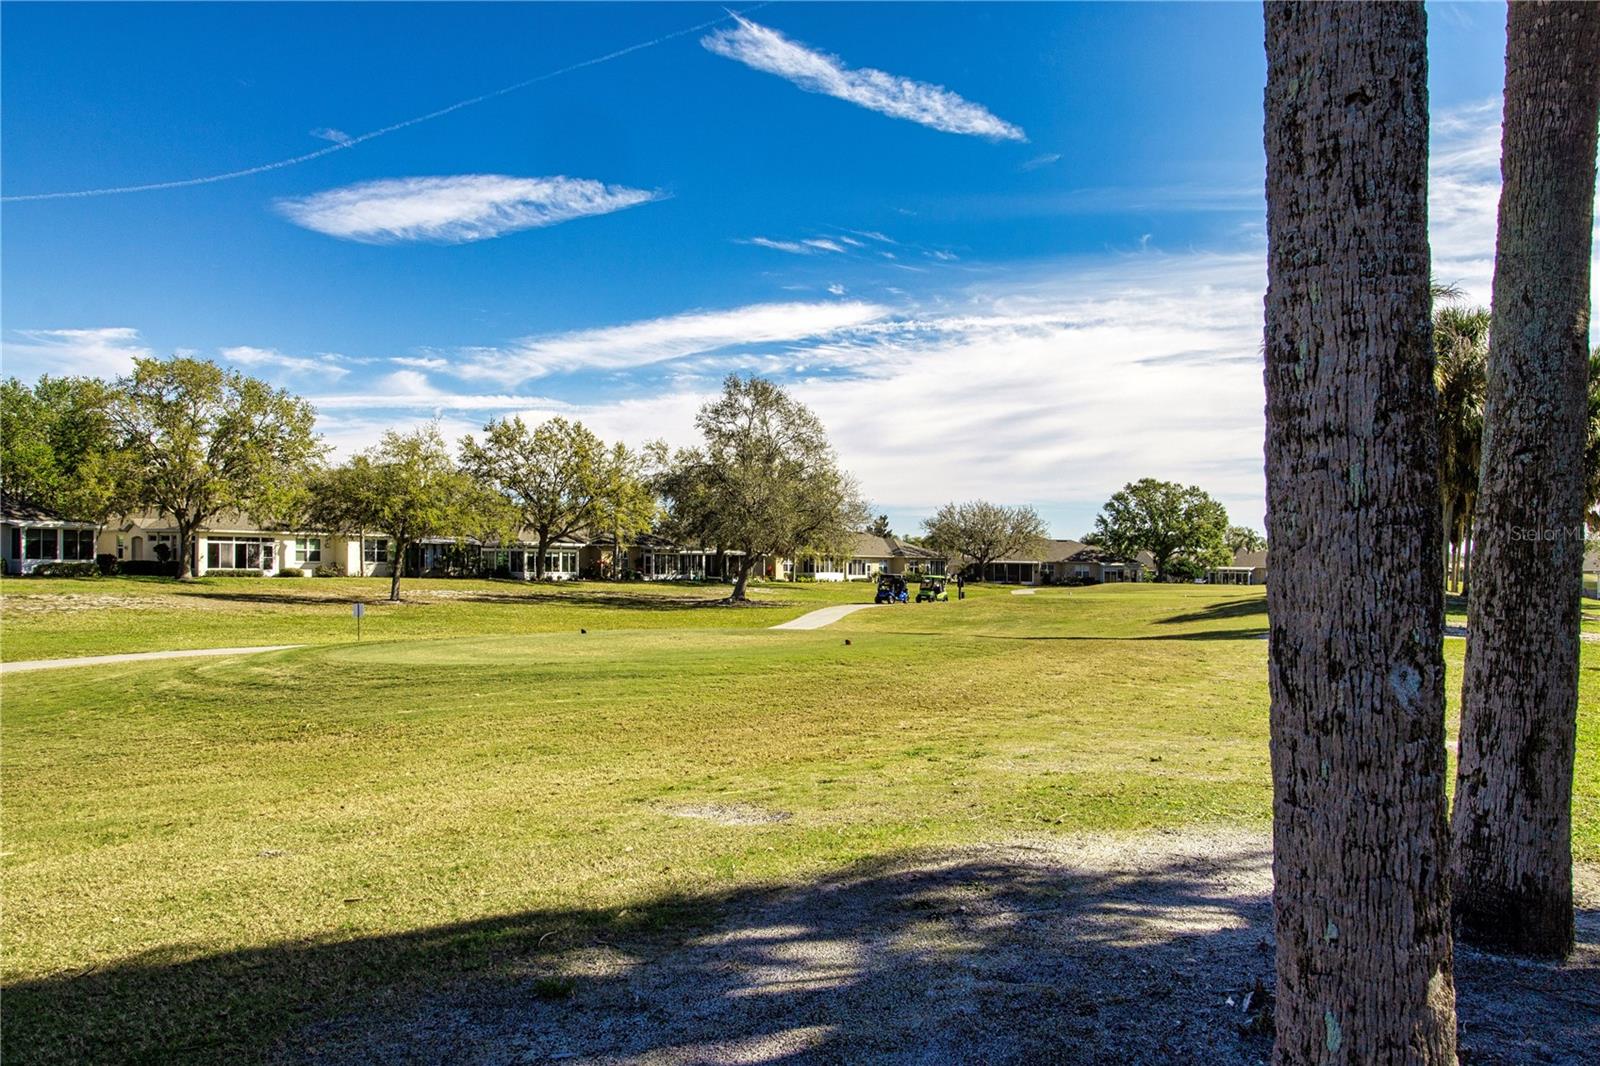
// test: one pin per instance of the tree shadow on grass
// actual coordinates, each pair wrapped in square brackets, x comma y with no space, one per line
[1099,950]
[1225,610]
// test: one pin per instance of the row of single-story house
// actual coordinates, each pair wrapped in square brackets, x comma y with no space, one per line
[867,556]
[1065,562]
[31,537]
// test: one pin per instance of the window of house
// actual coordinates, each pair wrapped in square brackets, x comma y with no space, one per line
[308,549]
[39,544]
[375,551]
[561,562]
[77,544]
[240,553]
[122,547]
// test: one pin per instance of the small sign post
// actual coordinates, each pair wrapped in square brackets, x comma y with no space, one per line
[359,610]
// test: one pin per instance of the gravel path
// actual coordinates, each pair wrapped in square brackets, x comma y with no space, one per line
[823,616]
[1138,949]
[134,657]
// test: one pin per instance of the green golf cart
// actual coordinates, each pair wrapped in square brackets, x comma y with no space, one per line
[932,590]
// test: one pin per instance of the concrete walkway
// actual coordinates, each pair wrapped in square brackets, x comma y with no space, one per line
[823,616]
[1023,592]
[134,657]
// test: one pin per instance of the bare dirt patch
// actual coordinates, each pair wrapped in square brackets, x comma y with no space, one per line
[1149,948]
[730,813]
[74,603]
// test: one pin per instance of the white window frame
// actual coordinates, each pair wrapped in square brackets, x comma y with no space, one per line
[36,536]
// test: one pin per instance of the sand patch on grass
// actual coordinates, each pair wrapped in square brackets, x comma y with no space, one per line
[1131,948]
[730,813]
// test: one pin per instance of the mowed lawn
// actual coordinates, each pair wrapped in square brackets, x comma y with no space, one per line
[57,618]
[203,855]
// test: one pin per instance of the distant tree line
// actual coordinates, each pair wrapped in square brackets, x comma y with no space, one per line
[192,440]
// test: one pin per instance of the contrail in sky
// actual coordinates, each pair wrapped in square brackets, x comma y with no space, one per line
[373,134]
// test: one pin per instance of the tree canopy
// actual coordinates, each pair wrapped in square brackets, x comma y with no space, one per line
[553,474]
[982,532]
[408,488]
[196,439]
[57,448]
[1244,539]
[625,503]
[1176,524]
[763,482]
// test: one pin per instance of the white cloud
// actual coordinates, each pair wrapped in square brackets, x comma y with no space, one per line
[808,246]
[836,289]
[1045,160]
[1054,389]
[327,133]
[768,50]
[420,362]
[414,390]
[270,358]
[455,209]
[659,340]
[104,352]
[1464,197]
[792,247]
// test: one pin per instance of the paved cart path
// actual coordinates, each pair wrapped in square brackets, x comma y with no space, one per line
[134,657]
[823,616]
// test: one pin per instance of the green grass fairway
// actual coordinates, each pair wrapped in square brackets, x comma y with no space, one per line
[203,854]
[58,618]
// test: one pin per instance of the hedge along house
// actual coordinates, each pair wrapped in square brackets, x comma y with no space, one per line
[32,537]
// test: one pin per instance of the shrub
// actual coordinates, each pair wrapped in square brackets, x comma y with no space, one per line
[329,570]
[107,564]
[146,568]
[291,571]
[233,573]
[77,569]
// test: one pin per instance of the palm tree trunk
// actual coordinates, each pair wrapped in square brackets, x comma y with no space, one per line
[1448,524]
[1513,813]
[1356,666]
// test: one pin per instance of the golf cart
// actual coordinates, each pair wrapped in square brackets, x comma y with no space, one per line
[932,591]
[891,589]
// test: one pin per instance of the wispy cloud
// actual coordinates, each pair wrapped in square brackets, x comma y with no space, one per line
[1141,365]
[270,358]
[414,390]
[659,340]
[455,209]
[807,246]
[328,133]
[420,362]
[1038,161]
[768,50]
[107,351]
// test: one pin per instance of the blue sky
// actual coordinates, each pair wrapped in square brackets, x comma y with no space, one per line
[1010,251]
